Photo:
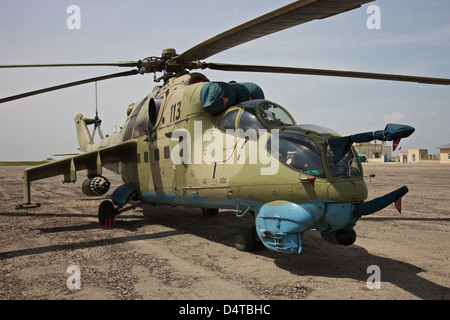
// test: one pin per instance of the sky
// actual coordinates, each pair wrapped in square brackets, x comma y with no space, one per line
[414,39]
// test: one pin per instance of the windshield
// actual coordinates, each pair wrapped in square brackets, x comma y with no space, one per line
[347,166]
[227,122]
[274,115]
[298,152]
[249,125]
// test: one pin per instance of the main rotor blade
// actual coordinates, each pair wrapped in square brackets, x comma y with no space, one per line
[291,15]
[71,84]
[110,64]
[326,72]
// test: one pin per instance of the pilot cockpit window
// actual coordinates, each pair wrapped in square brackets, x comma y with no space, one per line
[249,122]
[347,166]
[274,115]
[298,152]
[227,122]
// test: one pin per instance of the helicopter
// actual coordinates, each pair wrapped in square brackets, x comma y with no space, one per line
[213,145]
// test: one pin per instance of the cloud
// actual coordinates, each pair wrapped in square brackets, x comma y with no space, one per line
[394,117]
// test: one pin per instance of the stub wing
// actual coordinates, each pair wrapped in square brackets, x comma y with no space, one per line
[92,161]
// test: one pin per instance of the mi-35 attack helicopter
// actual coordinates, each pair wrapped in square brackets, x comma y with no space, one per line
[214,145]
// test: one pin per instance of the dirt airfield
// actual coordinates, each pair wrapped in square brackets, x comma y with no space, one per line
[177,253]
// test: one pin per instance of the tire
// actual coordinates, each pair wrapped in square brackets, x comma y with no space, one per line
[210,212]
[244,240]
[105,211]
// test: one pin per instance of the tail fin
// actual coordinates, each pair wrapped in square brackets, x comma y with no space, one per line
[84,137]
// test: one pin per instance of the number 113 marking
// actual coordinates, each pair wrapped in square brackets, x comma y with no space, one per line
[175,111]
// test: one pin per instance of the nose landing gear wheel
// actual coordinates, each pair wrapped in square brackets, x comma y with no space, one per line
[244,239]
[210,212]
[106,212]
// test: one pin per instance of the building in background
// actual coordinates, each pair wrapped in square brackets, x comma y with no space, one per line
[418,155]
[445,153]
[403,157]
[372,152]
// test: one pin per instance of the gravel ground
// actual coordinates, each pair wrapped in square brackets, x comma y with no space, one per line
[164,253]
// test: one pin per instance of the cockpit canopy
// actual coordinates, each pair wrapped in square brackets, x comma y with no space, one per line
[298,152]
[256,115]
[295,148]
[303,154]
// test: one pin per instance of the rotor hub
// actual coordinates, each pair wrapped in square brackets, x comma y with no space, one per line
[169,53]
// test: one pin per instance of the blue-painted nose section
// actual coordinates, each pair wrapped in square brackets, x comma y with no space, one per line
[280,224]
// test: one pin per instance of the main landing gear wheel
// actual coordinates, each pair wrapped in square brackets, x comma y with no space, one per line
[106,212]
